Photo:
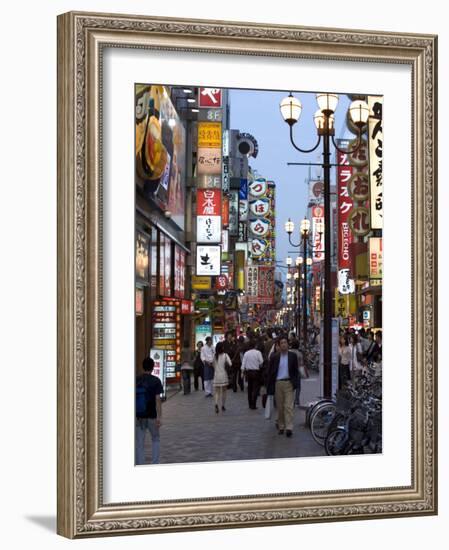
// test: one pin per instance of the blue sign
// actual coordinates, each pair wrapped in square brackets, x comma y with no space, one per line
[243,191]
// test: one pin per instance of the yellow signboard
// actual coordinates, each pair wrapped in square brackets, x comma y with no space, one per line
[209,135]
[201,283]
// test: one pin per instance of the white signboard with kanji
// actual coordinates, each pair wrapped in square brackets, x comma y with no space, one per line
[208,260]
[208,229]
[375,160]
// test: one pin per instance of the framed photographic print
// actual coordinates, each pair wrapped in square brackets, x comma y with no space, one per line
[246,274]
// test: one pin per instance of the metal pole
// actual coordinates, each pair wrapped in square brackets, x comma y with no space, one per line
[327,321]
[297,302]
[304,291]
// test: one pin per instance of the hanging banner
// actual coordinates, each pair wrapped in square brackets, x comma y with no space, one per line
[317,237]
[375,123]
[233,213]
[375,258]
[316,192]
[265,293]
[345,205]
[208,260]
[180,261]
[345,284]
[252,273]
[225,241]
[225,211]
[243,210]
[226,176]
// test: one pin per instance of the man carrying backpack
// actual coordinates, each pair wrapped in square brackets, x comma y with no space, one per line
[148,412]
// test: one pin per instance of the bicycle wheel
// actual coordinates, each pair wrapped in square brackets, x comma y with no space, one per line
[320,421]
[313,407]
[336,442]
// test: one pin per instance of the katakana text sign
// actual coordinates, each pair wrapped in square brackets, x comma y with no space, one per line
[344,205]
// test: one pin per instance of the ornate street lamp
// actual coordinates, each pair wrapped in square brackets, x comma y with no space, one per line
[324,120]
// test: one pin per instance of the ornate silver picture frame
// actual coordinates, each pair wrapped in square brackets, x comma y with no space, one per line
[82,41]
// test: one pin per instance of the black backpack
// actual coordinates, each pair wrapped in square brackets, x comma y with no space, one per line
[141,400]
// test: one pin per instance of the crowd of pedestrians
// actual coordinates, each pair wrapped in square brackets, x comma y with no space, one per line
[268,364]
[264,363]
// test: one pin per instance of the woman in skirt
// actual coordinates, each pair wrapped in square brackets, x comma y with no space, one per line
[221,380]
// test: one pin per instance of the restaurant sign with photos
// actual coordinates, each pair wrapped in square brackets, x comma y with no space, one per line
[92,227]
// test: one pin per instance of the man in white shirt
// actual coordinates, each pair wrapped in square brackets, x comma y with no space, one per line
[207,357]
[251,364]
[282,381]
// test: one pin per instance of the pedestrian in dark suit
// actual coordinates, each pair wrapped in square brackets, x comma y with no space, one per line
[282,381]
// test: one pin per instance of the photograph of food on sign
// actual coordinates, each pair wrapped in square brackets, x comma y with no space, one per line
[258,274]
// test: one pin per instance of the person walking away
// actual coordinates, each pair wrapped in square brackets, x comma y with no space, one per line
[198,367]
[376,350]
[345,362]
[221,379]
[207,357]
[282,382]
[230,347]
[356,357]
[368,352]
[148,412]
[237,358]
[301,366]
[251,364]
[186,371]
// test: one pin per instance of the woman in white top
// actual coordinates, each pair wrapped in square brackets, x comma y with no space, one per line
[221,380]
[345,360]
[356,356]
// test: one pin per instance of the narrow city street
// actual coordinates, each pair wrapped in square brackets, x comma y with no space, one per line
[191,431]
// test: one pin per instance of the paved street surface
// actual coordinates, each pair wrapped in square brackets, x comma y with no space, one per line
[191,431]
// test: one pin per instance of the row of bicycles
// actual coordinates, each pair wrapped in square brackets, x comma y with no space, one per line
[352,422]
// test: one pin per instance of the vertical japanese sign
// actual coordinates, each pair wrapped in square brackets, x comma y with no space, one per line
[209,148]
[233,213]
[344,205]
[317,238]
[226,177]
[262,219]
[375,123]
[375,258]
[179,273]
[265,294]
[166,323]
[252,273]
[158,357]
[142,259]
[208,221]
